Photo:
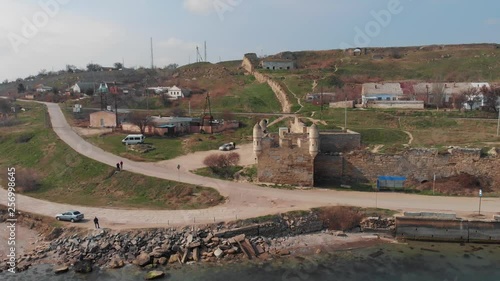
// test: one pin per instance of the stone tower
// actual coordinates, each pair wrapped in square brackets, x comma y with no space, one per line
[313,140]
[257,140]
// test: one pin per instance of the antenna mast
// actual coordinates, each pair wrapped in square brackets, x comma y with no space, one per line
[152,62]
[198,55]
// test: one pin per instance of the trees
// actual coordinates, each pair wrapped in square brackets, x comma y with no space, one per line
[21,88]
[5,107]
[171,66]
[71,68]
[140,119]
[94,67]
[118,65]
[491,98]
[471,97]
[438,94]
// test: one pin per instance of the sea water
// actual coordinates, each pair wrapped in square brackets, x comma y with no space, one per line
[403,261]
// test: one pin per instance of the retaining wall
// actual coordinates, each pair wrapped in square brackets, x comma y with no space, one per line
[450,230]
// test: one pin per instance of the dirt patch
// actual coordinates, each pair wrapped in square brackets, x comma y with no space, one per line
[462,184]
[91,131]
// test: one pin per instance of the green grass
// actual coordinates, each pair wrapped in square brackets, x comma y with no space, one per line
[254,97]
[382,136]
[207,172]
[65,176]
[165,148]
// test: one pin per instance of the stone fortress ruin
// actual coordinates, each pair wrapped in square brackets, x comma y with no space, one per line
[296,155]
[307,156]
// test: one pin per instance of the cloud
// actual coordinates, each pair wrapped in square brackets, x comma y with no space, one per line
[492,21]
[203,7]
[54,39]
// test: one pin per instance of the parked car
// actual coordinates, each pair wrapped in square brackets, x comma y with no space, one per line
[133,139]
[71,216]
[227,146]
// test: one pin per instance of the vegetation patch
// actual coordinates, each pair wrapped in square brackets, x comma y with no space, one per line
[382,136]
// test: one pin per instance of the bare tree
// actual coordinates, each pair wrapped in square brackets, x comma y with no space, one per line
[491,98]
[140,119]
[5,107]
[471,97]
[438,94]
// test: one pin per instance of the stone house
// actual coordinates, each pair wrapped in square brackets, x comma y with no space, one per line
[83,87]
[177,93]
[277,64]
[103,119]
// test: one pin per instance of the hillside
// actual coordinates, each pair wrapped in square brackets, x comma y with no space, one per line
[232,90]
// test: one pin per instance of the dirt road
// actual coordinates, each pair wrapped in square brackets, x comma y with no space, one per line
[244,200]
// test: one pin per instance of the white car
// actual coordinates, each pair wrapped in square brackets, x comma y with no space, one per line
[227,146]
[71,216]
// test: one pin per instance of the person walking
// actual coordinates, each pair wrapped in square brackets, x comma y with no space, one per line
[121,165]
[96,222]
[118,166]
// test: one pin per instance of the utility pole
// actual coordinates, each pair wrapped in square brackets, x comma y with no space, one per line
[434,184]
[498,122]
[345,114]
[480,196]
[205,51]
[321,103]
[115,94]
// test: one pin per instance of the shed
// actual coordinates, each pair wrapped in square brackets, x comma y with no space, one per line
[391,182]
[103,119]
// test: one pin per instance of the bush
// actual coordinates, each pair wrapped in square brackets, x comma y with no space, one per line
[222,164]
[340,217]
[27,180]
[24,138]
[10,122]
[221,160]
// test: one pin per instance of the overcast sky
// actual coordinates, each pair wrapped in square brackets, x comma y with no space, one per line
[48,34]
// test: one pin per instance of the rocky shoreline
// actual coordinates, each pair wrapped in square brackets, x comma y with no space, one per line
[81,250]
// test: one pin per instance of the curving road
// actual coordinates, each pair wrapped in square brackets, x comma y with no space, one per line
[244,200]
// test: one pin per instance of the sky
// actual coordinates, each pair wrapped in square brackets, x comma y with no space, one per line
[38,35]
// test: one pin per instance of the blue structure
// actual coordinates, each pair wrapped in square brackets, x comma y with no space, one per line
[392,182]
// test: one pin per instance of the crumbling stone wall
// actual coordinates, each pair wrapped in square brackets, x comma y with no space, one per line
[286,165]
[339,141]
[417,165]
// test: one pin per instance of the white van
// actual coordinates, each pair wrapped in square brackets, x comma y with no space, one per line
[133,139]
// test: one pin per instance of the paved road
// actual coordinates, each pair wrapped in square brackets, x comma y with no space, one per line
[244,200]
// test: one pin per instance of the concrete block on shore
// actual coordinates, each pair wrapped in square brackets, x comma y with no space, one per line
[449,216]
[496,217]
[412,214]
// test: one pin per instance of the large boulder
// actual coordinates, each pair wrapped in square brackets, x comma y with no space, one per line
[143,259]
[61,269]
[83,266]
[116,262]
[154,274]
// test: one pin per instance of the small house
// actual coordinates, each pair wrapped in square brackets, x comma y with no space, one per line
[277,64]
[103,119]
[177,93]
